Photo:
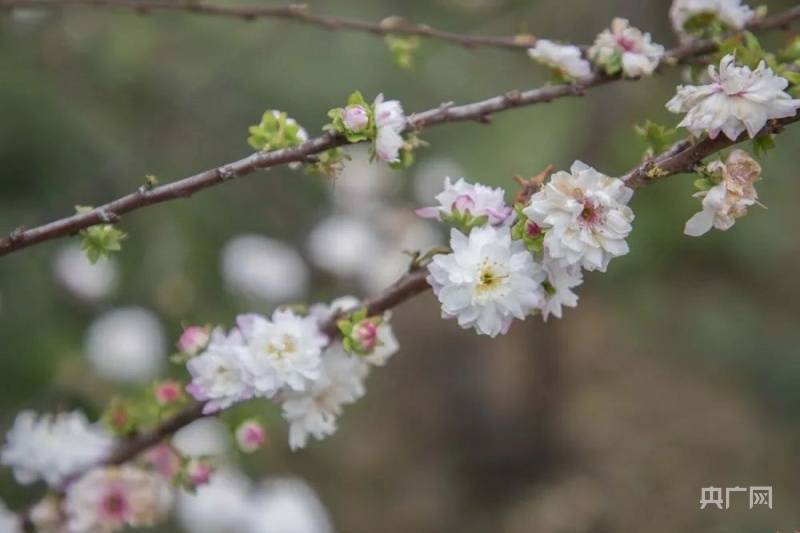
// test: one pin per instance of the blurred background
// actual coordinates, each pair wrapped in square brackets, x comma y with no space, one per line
[678,370]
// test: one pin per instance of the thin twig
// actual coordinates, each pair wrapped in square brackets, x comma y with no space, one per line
[477,111]
[301,13]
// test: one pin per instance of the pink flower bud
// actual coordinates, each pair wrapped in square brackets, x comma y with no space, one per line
[366,333]
[193,339]
[355,118]
[199,472]
[250,436]
[464,202]
[168,392]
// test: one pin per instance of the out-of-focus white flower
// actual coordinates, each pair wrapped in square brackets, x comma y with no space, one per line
[287,506]
[314,411]
[585,216]
[82,278]
[257,266]
[52,447]
[728,199]
[250,436]
[203,437]
[361,186]
[218,375]
[109,499]
[400,230]
[738,99]
[566,59]
[283,351]
[558,288]
[487,281]
[164,459]
[461,197]
[126,344]
[390,121]
[339,243]
[9,523]
[732,13]
[427,176]
[46,515]
[627,48]
[221,506]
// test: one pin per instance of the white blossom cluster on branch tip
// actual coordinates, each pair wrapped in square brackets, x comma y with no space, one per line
[287,358]
[727,193]
[688,16]
[578,220]
[626,49]
[738,99]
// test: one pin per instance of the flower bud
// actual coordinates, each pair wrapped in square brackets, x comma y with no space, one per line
[366,334]
[168,392]
[250,436]
[198,472]
[355,118]
[193,339]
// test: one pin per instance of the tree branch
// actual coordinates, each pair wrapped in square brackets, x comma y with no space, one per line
[300,13]
[480,111]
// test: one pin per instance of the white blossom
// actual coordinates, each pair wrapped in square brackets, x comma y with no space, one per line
[732,13]
[258,266]
[9,523]
[487,281]
[126,344]
[566,59]
[729,199]
[390,122]
[738,99]
[83,279]
[337,244]
[558,288]
[220,506]
[52,447]
[110,499]
[218,376]
[478,199]
[315,410]
[628,48]
[284,350]
[203,437]
[584,215]
[287,505]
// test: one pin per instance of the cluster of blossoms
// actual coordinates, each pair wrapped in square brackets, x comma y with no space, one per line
[620,49]
[688,16]
[738,99]
[382,122]
[511,266]
[288,359]
[727,193]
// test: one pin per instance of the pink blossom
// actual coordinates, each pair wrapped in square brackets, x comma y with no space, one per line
[168,392]
[366,333]
[193,339]
[355,118]
[250,436]
[199,472]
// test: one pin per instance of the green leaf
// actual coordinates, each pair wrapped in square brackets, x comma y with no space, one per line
[101,241]
[656,137]
[703,184]
[403,49]
[763,144]
[356,98]
[275,131]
